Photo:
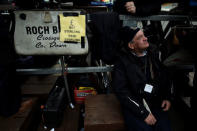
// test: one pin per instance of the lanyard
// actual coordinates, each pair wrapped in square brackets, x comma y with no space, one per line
[145,66]
[151,67]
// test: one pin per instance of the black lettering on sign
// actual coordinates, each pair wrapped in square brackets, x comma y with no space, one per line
[40,30]
[71,31]
[34,30]
[28,30]
[73,36]
[47,38]
[54,44]
[37,30]
[39,45]
[46,30]
[55,30]
[72,40]
[39,37]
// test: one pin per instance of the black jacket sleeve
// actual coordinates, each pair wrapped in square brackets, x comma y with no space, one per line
[165,83]
[164,77]
[143,7]
[124,94]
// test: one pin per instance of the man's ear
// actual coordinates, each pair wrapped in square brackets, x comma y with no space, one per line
[131,46]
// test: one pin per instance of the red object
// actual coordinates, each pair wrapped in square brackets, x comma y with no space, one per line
[80,95]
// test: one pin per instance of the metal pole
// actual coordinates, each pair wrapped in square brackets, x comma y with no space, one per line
[66,83]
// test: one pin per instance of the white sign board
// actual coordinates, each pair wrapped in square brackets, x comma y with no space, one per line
[37,33]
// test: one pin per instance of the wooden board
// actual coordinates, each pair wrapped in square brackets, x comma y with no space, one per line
[103,113]
[24,120]
[38,85]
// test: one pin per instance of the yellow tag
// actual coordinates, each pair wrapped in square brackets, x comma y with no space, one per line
[86,88]
[73,28]
[106,0]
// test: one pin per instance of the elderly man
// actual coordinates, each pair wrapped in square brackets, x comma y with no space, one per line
[140,82]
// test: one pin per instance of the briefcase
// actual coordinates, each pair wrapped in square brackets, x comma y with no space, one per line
[53,110]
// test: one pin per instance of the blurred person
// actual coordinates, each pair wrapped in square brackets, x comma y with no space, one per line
[137,7]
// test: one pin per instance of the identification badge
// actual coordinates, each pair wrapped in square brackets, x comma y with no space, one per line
[148,88]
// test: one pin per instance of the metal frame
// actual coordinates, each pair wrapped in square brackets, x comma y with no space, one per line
[158,18]
[47,71]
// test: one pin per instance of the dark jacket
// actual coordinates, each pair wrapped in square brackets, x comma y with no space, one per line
[105,30]
[129,81]
[10,95]
[143,7]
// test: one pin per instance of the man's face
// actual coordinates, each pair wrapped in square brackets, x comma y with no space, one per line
[139,42]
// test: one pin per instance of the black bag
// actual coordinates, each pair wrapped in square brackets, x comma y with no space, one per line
[53,111]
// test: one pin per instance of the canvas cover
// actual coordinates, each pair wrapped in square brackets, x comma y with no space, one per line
[38,33]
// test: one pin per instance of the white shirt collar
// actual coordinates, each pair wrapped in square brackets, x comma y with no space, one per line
[144,54]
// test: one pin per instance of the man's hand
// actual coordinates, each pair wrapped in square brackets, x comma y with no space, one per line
[150,119]
[130,7]
[166,105]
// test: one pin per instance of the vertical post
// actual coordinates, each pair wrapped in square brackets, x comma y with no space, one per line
[66,83]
